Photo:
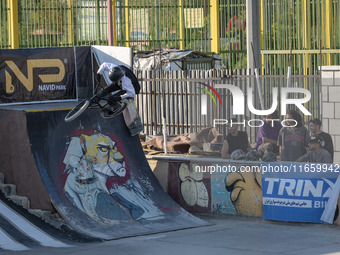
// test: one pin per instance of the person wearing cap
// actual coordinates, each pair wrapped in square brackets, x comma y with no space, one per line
[315,129]
[120,82]
[235,140]
[316,153]
[123,82]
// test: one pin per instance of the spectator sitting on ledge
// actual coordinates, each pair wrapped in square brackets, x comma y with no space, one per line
[235,140]
[316,153]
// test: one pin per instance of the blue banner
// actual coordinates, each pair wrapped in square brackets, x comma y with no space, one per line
[296,192]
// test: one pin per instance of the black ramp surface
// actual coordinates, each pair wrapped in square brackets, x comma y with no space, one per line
[98,177]
[21,230]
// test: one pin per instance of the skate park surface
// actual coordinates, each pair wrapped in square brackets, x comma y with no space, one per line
[224,235]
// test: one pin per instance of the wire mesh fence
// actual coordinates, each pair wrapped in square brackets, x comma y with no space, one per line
[298,33]
[307,29]
[4,31]
[233,37]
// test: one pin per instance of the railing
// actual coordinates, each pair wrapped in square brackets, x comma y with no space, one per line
[183,98]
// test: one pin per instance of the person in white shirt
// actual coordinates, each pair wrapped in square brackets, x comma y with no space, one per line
[126,94]
[119,81]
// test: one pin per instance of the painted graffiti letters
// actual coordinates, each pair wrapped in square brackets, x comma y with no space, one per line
[193,189]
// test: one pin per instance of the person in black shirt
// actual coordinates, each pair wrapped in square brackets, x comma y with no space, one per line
[235,140]
[315,130]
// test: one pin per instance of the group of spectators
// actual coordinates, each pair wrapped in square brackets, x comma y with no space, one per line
[290,143]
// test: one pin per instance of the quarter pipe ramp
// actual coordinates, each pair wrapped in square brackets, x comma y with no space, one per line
[97,176]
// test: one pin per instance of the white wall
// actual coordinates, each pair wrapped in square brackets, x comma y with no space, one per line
[330,98]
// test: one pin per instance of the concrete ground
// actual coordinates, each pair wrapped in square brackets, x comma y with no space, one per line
[224,235]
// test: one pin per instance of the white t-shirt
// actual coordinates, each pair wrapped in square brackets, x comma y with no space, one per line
[126,82]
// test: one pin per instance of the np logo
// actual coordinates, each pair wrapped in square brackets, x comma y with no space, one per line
[31,64]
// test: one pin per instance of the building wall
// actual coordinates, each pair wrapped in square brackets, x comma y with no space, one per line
[330,80]
[223,186]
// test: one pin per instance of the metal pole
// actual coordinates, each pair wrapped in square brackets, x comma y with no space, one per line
[214,26]
[127,36]
[163,106]
[70,23]
[109,23]
[13,24]
[259,87]
[181,24]
[165,139]
[98,22]
[290,64]
[253,33]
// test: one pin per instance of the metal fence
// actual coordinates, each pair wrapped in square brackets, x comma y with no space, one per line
[146,24]
[4,26]
[233,36]
[309,28]
[182,97]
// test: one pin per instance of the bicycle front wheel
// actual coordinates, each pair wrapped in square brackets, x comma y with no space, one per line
[77,110]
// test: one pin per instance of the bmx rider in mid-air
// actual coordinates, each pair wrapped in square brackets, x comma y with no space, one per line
[126,92]
[119,83]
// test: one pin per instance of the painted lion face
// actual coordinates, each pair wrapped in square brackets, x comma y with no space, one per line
[98,151]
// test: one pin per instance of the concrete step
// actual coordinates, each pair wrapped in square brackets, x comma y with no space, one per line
[20,200]
[2,178]
[53,219]
[8,189]
[40,213]
[10,192]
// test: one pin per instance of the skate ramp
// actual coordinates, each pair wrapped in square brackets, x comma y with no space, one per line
[98,177]
[21,231]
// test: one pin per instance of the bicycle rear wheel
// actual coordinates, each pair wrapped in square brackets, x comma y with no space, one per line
[113,111]
[77,110]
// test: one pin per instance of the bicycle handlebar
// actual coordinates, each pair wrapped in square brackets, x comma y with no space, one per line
[103,93]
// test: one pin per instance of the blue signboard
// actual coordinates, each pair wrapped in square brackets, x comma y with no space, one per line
[296,192]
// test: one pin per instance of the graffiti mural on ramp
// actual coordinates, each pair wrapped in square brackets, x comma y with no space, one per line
[98,177]
[90,161]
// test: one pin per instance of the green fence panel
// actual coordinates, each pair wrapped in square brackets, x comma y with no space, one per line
[284,25]
[156,24]
[42,23]
[146,25]
[4,25]
[233,36]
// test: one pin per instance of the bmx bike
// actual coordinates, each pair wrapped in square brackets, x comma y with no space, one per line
[108,110]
